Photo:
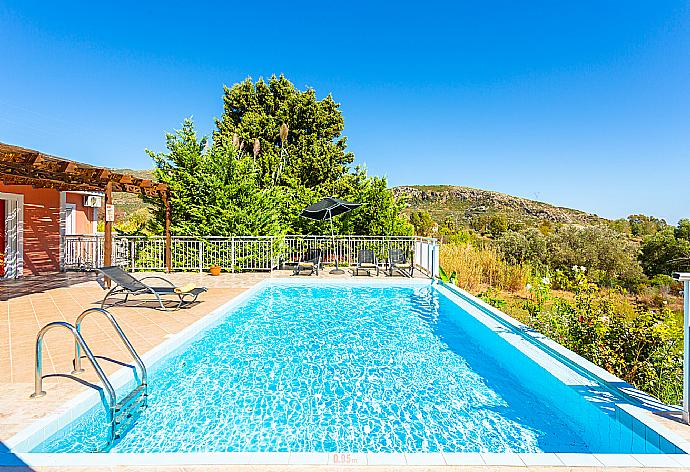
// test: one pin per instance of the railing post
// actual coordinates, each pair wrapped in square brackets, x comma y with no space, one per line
[437,256]
[232,255]
[132,248]
[349,251]
[201,256]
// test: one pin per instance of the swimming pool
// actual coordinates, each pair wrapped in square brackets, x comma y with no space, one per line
[362,368]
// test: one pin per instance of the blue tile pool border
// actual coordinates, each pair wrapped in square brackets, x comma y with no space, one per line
[41,429]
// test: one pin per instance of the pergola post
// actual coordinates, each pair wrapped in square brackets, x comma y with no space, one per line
[168,238]
[108,240]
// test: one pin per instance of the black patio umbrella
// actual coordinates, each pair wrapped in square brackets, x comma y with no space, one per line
[326,209]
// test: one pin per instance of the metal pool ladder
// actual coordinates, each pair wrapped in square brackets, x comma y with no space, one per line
[121,415]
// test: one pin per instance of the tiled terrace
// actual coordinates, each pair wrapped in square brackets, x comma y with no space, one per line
[28,304]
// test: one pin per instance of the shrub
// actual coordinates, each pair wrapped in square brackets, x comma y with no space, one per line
[644,350]
[460,237]
[608,255]
[498,224]
[523,246]
[621,225]
[135,223]
[661,280]
[664,253]
[492,297]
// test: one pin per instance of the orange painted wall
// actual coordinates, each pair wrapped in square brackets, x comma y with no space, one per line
[84,215]
[41,228]
[42,225]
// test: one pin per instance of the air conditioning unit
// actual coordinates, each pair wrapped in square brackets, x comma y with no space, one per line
[92,201]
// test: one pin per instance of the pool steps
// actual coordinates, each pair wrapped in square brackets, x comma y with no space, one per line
[120,415]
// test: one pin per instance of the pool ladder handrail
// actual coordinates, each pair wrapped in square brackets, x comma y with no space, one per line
[121,334]
[38,381]
[137,398]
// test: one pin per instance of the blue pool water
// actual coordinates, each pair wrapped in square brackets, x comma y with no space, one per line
[348,368]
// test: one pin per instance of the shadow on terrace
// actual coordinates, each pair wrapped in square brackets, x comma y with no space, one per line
[28,285]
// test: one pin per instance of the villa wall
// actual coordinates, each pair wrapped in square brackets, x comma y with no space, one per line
[42,225]
[41,228]
[85,216]
[2,238]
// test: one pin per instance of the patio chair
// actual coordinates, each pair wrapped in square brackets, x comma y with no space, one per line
[128,285]
[366,261]
[397,260]
[309,261]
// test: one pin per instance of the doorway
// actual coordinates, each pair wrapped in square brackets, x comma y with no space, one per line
[11,239]
[70,219]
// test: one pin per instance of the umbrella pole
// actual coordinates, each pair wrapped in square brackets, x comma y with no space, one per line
[337,269]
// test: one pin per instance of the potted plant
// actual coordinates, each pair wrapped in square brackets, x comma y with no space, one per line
[215,269]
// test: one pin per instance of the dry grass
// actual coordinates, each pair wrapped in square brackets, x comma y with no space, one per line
[477,267]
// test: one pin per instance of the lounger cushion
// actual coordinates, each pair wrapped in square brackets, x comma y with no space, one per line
[306,264]
[367,265]
[171,290]
[403,265]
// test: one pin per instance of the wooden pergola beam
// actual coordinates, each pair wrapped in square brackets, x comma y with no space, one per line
[43,183]
[20,162]
[20,166]
[108,241]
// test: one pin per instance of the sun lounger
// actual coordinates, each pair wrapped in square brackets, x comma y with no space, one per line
[309,262]
[397,260]
[366,261]
[128,285]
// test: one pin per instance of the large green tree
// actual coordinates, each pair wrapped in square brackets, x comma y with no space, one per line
[664,252]
[312,154]
[275,150]
[214,191]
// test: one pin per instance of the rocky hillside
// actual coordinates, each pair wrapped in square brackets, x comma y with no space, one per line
[463,204]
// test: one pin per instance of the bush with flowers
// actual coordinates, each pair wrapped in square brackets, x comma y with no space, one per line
[645,349]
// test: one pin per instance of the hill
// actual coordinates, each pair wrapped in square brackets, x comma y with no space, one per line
[464,205]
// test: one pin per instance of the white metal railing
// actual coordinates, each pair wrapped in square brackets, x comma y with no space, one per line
[243,253]
[85,251]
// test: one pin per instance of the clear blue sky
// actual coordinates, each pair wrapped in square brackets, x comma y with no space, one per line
[583,104]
